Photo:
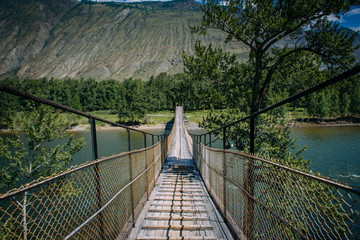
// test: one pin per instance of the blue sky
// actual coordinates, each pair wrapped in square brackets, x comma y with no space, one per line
[350,20]
[128,1]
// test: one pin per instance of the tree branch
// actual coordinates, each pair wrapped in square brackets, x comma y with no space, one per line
[228,30]
[281,59]
[280,35]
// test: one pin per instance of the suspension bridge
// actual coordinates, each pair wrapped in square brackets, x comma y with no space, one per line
[178,188]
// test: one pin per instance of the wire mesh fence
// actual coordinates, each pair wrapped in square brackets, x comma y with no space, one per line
[97,200]
[261,199]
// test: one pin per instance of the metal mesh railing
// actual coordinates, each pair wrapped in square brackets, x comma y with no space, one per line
[261,199]
[97,200]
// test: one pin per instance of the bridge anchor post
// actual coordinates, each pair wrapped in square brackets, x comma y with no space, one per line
[97,176]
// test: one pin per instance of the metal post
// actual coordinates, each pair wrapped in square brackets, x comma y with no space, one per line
[224,184]
[132,191]
[200,138]
[93,138]
[144,140]
[129,140]
[252,135]
[152,138]
[224,138]
[210,140]
[205,139]
[97,175]
[249,185]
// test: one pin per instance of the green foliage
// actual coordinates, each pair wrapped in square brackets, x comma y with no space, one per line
[288,40]
[39,128]
[211,76]
[261,26]
[133,106]
[271,141]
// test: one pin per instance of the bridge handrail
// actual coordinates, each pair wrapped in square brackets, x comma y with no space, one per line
[48,102]
[101,199]
[343,186]
[352,72]
[72,169]
[285,198]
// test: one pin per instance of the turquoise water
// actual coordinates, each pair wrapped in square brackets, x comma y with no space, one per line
[334,151]
[110,143]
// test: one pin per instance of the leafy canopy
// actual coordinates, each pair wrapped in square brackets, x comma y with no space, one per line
[40,127]
[264,25]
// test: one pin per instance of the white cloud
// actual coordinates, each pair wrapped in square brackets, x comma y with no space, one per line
[355,28]
[333,18]
[355,11]
[224,3]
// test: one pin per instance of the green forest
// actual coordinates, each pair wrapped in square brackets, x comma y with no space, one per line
[133,98]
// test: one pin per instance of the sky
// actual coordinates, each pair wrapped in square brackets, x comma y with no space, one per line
[350,20]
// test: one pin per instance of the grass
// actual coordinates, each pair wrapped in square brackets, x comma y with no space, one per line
[150,119]
[159,117]
[78,120]
[155,118]
[196,116]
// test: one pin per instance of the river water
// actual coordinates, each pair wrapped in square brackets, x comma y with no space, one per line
[334,151]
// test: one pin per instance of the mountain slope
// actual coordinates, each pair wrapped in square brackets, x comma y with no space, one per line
[25,26]
[103,41]
[51,38]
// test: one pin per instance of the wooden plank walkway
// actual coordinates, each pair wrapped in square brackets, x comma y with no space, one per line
[179,207]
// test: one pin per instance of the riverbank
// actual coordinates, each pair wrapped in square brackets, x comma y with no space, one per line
[159,121]
[321,124]
[327,122]
[194,126]
[143,127]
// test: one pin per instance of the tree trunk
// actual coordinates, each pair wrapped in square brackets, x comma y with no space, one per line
[249,183]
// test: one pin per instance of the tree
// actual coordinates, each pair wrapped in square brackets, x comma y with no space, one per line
[214,76]
[39,127]
[133,105]
[263,26]
[278,32]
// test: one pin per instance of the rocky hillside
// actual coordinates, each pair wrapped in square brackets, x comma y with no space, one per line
[50,38]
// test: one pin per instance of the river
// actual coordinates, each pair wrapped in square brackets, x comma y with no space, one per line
[334,151]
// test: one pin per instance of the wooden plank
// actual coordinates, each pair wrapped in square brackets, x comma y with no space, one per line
[180,199]
[188,183]
[177,218]
[180,194]
[178,227]
[180,184]
[177,210]
[178,204]
[180,208]
[176,238]
[180,190]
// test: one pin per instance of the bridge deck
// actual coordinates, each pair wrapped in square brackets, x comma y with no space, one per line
[179,207]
